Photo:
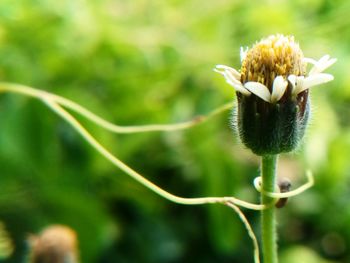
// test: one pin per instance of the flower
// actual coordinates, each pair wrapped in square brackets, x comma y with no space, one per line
[56,243]
[272,90]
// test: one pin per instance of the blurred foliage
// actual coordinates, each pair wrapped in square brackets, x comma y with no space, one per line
[142,62]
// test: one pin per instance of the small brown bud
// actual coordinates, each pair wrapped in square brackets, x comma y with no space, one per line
[284,186]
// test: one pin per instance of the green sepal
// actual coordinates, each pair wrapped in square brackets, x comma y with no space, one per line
[268,128]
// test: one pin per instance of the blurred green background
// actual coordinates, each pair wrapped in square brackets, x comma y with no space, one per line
[142,62]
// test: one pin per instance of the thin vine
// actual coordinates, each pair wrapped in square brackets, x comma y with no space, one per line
[58,105]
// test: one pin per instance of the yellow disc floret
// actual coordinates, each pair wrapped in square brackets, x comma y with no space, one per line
[274,56]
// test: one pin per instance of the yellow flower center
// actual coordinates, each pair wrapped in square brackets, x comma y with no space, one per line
[276,55]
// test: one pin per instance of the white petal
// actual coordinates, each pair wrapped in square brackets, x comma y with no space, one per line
[324,59]
[218,70]
[259,90]
[278,88]
[310,61]
[293,80]
[227,74]
[222,68]
[328,63]
[315,79]
[321,65]
[233,78]
[297,83]
[243,53]
[239,87]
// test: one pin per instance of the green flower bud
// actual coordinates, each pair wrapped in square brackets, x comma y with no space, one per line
[272,90]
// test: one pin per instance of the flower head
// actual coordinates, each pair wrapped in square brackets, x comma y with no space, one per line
[272,89]
[56,243]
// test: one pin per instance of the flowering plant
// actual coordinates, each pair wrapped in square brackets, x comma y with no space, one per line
[272,90]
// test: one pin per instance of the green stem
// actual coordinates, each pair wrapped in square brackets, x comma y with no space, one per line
[268,219]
